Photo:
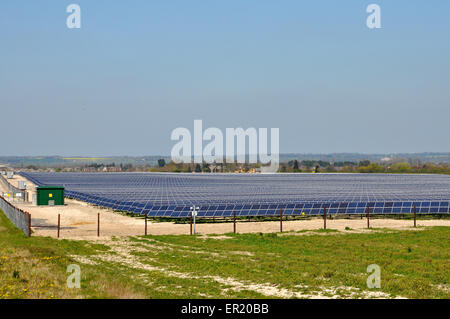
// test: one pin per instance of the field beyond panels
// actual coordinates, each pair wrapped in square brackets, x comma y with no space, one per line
[306,264]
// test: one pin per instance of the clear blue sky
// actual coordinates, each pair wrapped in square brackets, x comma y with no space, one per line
[138,69]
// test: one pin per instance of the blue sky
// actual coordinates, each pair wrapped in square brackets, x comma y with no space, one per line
[136,70]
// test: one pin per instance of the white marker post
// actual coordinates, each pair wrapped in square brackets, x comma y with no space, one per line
[194,210]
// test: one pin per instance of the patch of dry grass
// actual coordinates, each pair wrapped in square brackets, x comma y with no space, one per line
[36,268]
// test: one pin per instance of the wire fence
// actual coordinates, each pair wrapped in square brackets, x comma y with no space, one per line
[16,192]
[18,217]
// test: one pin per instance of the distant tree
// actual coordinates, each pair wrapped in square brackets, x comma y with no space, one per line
[401,168]
[364,163]
[323,163]
[126,167]
[308,163]
[371,168]
[161,162]
[345,163]
[295,165]
[198,168]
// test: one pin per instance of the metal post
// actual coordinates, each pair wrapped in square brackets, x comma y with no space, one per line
[325,217]
[368,217]
[194,222]
[194,211]
[281,220]
[98,225]
[415,209]
[59,223]
[145,224]
[234,222]
[191,222]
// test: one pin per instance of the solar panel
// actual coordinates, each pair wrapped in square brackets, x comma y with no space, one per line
[220,195]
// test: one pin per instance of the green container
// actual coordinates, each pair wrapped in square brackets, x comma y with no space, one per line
[49,195]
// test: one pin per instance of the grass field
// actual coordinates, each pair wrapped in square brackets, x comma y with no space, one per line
[414,264]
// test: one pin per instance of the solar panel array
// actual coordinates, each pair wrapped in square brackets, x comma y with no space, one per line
[219,195]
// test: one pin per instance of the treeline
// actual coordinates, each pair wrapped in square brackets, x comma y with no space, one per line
[98,167]
[161,166]
[363,167]
[205,168]
[294,166]
[308,166]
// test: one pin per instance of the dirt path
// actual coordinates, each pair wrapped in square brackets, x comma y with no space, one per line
[79,220]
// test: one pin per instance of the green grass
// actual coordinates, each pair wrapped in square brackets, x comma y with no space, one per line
[35,267]
[414,264]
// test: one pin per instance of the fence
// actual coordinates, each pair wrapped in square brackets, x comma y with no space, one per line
[18,217]
[14,190]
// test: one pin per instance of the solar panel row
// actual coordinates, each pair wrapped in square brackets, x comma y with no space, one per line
[219,195]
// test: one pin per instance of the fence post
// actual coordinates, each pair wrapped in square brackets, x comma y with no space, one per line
[191,222]
[59,223]
[234,222]
[368,217]
[281,220]
[145,225]
[325,217]
[29,225]
[98,225]
[415,215]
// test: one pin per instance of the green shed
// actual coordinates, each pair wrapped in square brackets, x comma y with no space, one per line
[49,195]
